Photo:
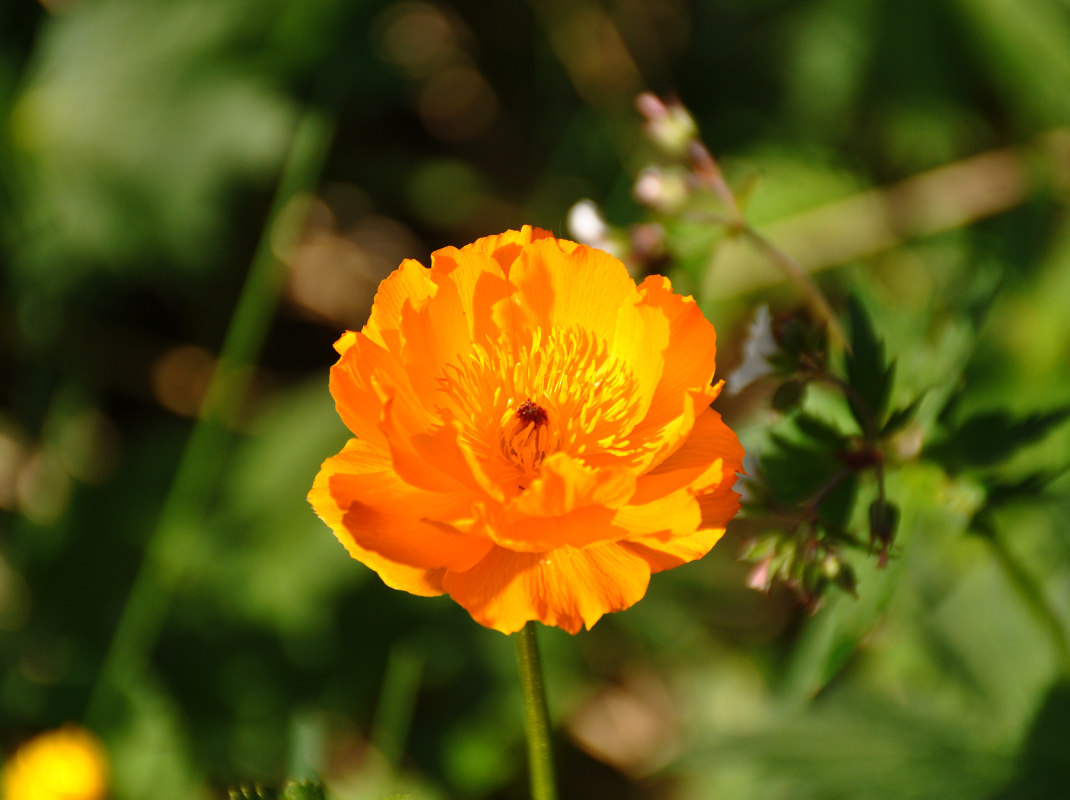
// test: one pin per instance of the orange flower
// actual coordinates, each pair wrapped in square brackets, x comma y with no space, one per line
[533,433]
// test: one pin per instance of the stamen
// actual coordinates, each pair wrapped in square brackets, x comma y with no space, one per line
[531,413]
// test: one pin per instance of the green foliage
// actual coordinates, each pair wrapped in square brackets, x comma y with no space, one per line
[869,374]
[988,438]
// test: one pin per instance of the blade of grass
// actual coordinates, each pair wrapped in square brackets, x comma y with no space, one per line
[393,714]
[202,462]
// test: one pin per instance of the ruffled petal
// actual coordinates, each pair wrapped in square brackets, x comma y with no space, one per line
[676,514]
[661,554]
[505,247]
[565,483]
[583,289]
[471,283]
[689,358]
[351,386]
[426,453]
[718,507]
[639,345]
[710,453]
[665,551]
[359,457]
[568,588]
[654,440]
[400,522]
[410,284]
[568,504]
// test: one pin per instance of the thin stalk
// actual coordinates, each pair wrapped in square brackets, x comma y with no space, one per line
[168,549]
[393,714]
[799,278]
[536,716]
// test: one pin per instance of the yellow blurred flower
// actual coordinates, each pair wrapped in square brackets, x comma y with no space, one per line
[65,764]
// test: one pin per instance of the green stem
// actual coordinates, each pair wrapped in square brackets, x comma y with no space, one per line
[393,714]
[201,465]
[536,716]
[799,278]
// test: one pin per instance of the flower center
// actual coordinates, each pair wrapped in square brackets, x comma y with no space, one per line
[529,411]
[526,439]
[527,395]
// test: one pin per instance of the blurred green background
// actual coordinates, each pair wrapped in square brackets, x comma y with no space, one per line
[156,153]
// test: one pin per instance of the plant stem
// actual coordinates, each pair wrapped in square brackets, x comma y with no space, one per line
[201,465]
[799,278]
[393,714]
[536,716]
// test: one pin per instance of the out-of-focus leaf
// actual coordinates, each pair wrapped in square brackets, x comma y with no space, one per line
[788,396]
[901,417]
[134,127]
[797,471]
[862,747]
[1024,46]
[999,494]
[837,505]
[868,373]
[820,431]
[987,438]
[1043,768]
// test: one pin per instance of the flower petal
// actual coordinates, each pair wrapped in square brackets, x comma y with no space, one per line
[474,282]
[359,457]
[568,504]
[410,284]
[401,522]
[692,350]
[579,287]
[351,385]
[676,514]
[505,247]
[711,453]
[565,483]
[426,453]
[568,588]
[661,554]
[718,507]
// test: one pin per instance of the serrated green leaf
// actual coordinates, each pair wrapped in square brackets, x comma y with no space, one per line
[820,431]
[868,373]
[901,417]
[990,437]
[1000,494]
[797,471]
[836,507]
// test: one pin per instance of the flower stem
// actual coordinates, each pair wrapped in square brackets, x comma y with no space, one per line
[536,716]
